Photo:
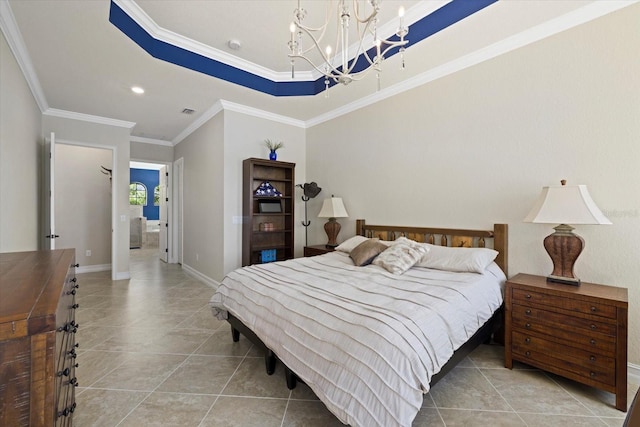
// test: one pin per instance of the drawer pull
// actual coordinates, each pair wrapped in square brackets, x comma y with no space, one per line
[592,358]
[72,353]
[66,372]
[527,325]
[528,296]
[592,374]
[594,327]
[76,265]
[527,353]
[74,306]
[527,340]
[74,382]
[527,311]
[592,341]
[593,309]
[74,280]
[67,411]
[71,292]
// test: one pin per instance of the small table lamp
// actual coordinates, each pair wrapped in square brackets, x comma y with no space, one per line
[565,204]
[332,208]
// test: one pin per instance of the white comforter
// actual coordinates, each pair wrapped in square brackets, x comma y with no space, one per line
[366,341]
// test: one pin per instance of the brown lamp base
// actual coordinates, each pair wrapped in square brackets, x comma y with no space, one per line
[564,248]
[332,228]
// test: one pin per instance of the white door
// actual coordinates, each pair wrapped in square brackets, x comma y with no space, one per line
[49,228]
[163,238]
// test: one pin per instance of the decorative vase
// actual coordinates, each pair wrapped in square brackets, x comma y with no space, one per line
[273,155]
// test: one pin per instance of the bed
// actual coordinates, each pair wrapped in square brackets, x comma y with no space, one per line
[369,340]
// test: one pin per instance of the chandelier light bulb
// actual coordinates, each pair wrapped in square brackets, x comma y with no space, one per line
[356,56]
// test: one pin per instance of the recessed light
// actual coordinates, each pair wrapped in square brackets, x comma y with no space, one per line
[137,89]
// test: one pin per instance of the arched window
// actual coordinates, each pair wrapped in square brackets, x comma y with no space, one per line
[137,194]
[156,196]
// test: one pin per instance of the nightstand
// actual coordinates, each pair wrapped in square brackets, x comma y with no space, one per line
[578,332]
[317,250]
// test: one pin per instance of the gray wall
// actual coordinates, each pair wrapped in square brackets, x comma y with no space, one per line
[20,151]
[476,148]
[83,204]
[116,139]
[213,158]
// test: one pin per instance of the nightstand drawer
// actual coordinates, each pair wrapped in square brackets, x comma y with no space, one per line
[567,323]
[569,304]
[602,344]
[552,356]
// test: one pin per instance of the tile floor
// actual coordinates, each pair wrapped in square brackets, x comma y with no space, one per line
[152,354]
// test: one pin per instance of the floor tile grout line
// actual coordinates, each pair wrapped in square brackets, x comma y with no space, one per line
[569,393]
[498,391]
[225,385]
[169,375]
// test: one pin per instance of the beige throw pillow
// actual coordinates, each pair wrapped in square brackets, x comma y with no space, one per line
[401,256]
[366,252]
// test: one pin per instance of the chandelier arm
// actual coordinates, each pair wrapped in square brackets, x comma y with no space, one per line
[333,74]
[373,14]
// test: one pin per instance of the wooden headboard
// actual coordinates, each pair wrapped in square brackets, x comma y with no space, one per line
[443,237]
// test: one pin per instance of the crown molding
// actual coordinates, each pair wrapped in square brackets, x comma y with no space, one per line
[239,108]
[16,44]
[54,112]
[132,9]
[569,20]
[204,118]
[150,141]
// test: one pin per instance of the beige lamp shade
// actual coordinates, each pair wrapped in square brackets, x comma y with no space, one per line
[566,204]
[333,208]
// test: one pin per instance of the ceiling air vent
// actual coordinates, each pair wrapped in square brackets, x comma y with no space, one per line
[188,111]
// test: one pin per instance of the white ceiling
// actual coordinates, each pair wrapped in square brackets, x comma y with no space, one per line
[78,62]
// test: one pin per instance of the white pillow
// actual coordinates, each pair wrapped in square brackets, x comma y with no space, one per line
[401,256]
[349,244]
[473,260]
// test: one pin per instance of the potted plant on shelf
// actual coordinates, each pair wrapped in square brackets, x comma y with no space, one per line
[273,146]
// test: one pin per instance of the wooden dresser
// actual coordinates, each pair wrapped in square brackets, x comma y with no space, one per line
[37,338]
[578,332]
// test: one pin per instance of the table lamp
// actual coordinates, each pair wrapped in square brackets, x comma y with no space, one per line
[332,208]
[565,204]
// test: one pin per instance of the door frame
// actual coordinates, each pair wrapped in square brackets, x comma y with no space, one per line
[114,185]
[177,223]
[172,256]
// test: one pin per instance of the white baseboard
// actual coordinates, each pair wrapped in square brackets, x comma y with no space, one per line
[195,273]
[123,275]
[633,373]
[93,268]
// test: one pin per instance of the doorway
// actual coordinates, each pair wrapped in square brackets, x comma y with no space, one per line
[149,202]
[81,203]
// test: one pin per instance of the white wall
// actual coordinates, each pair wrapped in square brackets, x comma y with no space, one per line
[83,203]
[20,151]
[476,147]
[151,152]
[203,197]
[111,137]
[244,137]
[213,157]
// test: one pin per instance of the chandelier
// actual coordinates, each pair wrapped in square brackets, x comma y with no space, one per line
[368,50]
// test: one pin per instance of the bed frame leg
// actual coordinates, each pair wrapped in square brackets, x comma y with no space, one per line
[270,361]
[235,334]
[292,379]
